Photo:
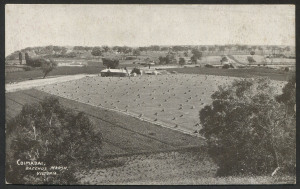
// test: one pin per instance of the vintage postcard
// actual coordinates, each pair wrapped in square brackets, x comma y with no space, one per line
[150,94]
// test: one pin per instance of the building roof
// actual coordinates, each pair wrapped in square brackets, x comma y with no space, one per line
[114,70]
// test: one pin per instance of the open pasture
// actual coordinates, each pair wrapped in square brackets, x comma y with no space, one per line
[122,134]
[211,60]
[170,100]
[260,59]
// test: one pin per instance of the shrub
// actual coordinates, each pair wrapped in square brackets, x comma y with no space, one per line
[226,66]
[53,134]
[209,66]
[248,131]
[136,70]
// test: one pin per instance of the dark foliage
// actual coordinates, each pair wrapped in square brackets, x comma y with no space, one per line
[110,63]
[248,131]
[53,134]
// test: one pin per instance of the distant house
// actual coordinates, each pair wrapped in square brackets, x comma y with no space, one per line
[114,73]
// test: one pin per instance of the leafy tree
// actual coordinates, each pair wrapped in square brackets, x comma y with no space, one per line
[186,54]
[224,59]
[96,51]
[106,48]
[181,61]
[154,48]
[196,54]
[178,48]
[63,50]
[247,130]
[136,52]
[48,66]
[252,53]
[20,57]
[50,133]
[56,49]
[34,62]
[222,49]
[110,63]
[203,48]
[194,59]
[164,48]
[211,48]
[49,49]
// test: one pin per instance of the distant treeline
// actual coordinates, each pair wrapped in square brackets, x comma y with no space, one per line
[76,51]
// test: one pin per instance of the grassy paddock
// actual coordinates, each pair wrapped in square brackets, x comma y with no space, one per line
[246,73]
[171,168]
[38,74]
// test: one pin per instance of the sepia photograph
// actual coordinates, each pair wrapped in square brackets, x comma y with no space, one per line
[150,94]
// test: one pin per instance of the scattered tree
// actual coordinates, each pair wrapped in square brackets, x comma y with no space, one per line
[20,57]
[96,51]
[181,61]
[136,52]
[110,63]
[48,66]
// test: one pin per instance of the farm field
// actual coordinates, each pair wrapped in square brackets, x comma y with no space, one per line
[172,101]
[273,74]
[262,59]
[38,74]
[122,134]
[211,60]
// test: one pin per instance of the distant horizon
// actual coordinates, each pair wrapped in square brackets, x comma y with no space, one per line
[34,25]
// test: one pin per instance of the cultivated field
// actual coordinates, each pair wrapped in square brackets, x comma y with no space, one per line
[122,134]
[173,101]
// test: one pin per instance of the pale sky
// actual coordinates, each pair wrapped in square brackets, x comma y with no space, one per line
[143,25]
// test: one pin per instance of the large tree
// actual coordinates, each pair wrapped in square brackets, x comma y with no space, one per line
[53,134]
[48,66]
[136,52]
[20,57]
[110,63]
[197,55]
[96,51]
[248,131]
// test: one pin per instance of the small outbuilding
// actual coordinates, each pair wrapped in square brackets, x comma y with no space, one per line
[114,73]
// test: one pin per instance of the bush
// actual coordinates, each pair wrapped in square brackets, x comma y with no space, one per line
[209,66]
[226,66]
[248,131]
[136,70]
[53,134]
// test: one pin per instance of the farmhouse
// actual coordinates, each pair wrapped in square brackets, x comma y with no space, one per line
[114,73]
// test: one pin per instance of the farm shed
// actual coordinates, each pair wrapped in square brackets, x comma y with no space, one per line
[114,73]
